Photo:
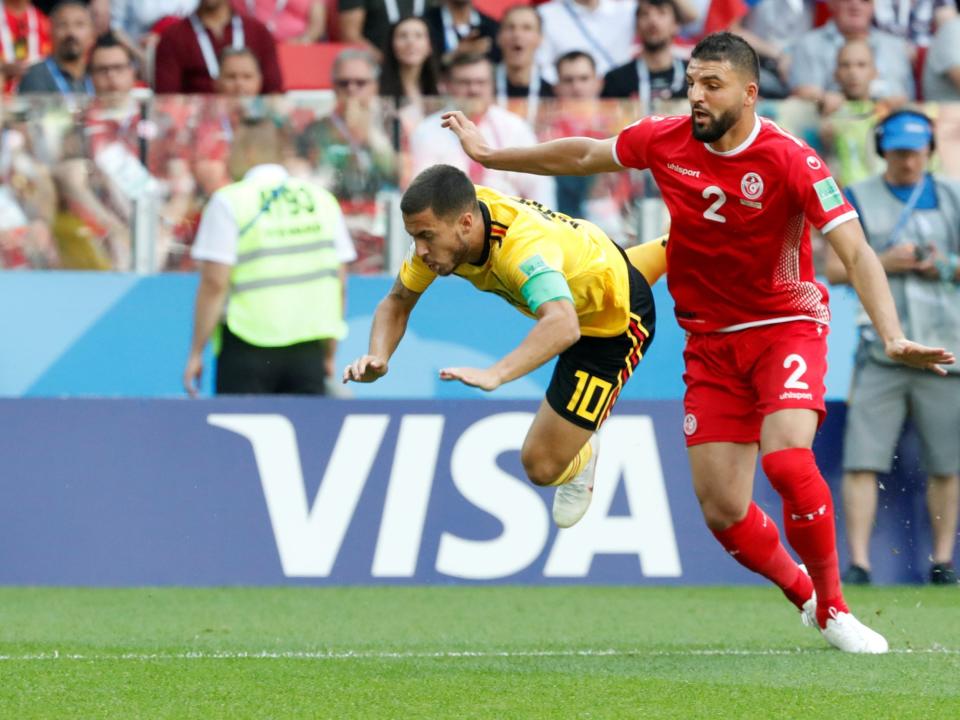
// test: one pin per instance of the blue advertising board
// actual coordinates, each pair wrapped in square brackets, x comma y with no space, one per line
[114,335]
[315,491]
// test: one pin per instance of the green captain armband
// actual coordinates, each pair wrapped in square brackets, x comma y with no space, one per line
[544,286]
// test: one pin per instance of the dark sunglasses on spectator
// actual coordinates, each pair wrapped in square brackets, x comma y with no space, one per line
[347,82]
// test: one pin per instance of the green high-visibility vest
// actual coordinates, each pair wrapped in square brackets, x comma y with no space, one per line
[284,288]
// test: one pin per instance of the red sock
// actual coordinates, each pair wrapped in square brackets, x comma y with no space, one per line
[754,542]
[808,521]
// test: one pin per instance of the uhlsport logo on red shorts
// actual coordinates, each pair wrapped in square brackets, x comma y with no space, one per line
[689,424]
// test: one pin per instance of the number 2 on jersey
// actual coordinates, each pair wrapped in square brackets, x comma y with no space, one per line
[711,212]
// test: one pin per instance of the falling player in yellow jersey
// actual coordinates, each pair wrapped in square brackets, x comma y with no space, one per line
[592,302]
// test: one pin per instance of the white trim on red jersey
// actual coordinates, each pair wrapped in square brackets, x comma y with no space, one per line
[742,146]
[614,149]
[839,220]
[771,321]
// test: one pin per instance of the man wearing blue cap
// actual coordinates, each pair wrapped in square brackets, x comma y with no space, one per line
[912,220]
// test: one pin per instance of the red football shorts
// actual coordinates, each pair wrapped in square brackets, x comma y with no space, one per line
[736,379]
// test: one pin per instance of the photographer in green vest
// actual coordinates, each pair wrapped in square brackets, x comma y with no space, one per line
[272,251]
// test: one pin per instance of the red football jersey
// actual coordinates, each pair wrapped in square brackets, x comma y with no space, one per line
[739,253]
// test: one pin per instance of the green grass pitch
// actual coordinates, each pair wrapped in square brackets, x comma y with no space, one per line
[467,652]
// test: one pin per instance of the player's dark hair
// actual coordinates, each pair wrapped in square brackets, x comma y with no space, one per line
[738,52]
[443,189]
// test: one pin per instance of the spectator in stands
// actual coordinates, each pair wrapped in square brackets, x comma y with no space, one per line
[912,20]
[814,56]
[848,131]
[27,197]
[941,71]
[458,28]
[24,39]
[240,78]
[272,252]
[188,51]
[576,115]
[912,220]
[350,153]
[65,70]
[409,69]
[290,21]
[658,74]
[771,26]
[100,197]
[470,84]
[137,19]
[351,143]
[518,76]
[603,28]
[240,74]
[367,22]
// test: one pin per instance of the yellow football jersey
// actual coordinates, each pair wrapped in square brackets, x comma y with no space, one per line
[522,236]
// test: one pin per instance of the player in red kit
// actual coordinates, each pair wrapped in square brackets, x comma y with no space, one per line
[742,194]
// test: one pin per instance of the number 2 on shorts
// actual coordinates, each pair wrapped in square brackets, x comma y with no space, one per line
[794,382]
[583,396]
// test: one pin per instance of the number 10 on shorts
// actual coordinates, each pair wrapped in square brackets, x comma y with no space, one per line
[590,396]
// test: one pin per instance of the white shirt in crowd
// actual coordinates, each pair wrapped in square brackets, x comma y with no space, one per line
[136,17]
[944,54]
[606,32]
[217,236]
[431,144]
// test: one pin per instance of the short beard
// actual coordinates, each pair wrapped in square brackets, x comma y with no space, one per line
[655,46]
[716,129]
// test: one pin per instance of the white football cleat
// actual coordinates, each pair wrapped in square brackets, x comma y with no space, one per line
[848,634]
[808,614]
[572,499]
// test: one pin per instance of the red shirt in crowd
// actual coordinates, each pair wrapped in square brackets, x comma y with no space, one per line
[25,39]
[739,252]
[182,68]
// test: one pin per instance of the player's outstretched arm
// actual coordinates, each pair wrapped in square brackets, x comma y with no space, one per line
[868,278]
[389,325]
[557,329]
[567,156]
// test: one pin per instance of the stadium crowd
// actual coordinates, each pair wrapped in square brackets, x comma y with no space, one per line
[119,115]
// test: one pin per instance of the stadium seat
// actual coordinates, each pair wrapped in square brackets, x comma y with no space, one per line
[308,67]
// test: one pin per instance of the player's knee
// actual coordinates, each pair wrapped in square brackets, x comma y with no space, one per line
[541,469]
[721,513]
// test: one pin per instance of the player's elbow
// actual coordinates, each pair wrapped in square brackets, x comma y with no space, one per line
[568,330]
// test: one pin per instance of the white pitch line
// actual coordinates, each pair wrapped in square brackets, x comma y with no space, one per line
[443,655]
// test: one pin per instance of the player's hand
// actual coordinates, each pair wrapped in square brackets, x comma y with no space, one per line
[486,379]
[466,131]
[365,369]
[919,356]
[192,374]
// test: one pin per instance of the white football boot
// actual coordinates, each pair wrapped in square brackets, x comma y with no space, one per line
[808,614]
[572,499]
[843,630]
[848,634]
